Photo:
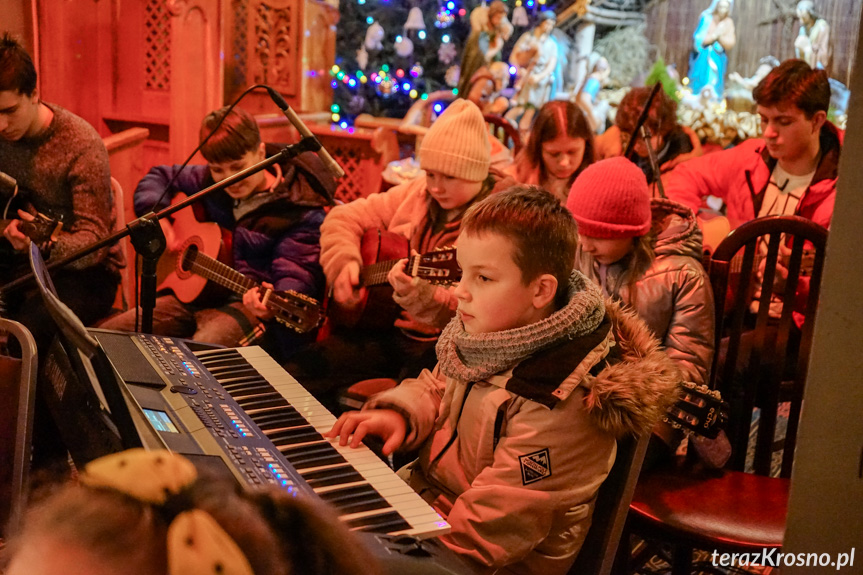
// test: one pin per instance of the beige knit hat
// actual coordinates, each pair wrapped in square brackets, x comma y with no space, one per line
[457,143]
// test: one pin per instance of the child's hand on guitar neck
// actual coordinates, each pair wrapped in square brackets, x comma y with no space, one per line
[402,283]
[409,290]
[255,301]
[346,289]
[19,241]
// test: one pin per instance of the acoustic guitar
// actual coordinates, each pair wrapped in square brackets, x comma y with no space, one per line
[713,231]
[206,238]
[42,230]
[381,250]
[200,272]
[295,310]
[698,409]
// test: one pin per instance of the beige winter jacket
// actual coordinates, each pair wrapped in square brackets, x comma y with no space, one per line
[514,462]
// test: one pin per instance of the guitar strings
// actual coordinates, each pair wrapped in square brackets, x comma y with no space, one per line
[238,282]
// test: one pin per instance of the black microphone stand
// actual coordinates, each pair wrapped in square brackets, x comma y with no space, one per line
[642,117]
[146,235]
[654,161]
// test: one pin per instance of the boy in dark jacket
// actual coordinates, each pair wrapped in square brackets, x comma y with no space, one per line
[275,216]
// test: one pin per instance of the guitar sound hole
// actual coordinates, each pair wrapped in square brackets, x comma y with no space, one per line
[189,258]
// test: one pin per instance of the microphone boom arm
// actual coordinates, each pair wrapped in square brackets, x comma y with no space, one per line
[146,235]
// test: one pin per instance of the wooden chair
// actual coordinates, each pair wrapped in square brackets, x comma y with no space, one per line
[503,130]
[127,154]
[18,388]
[729,510]
[600,548]
[126,291]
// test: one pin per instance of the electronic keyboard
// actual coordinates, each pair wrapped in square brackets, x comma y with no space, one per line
[238,405]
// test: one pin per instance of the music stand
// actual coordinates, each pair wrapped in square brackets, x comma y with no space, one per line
[80,387]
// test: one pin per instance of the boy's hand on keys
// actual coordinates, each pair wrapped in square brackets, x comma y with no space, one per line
[387,424]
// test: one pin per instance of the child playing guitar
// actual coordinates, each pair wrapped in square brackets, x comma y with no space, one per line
[426,212]
[274,216]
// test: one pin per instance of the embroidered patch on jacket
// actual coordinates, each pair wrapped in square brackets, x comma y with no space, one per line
[535,466]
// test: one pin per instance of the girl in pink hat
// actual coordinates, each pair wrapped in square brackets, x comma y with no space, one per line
[646,253]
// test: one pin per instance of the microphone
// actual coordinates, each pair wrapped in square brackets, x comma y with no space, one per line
[334,168]
[7,181]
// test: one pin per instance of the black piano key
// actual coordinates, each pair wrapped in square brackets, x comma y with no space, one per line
[245,380]
[304,434]
[333,476]
[306,460]
[233,373]
[231,380]
[262,401]
[246,390]
[230,357]
[252,391]
[355,499]
[284,417]
[384,523]
[324,447]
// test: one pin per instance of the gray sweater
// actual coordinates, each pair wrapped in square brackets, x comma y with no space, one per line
[64,172]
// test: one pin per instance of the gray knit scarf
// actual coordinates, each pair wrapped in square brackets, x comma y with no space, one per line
[474,357]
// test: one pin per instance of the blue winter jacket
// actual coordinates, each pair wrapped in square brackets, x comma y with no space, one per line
[277,241]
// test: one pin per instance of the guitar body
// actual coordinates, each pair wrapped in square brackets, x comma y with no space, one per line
[377,310]
[207,238]
[713,231]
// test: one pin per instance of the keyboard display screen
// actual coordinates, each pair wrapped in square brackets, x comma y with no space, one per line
[160,421]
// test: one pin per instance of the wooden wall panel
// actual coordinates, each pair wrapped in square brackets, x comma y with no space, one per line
[73,47]
[197,64]
[670,24]
[319,53]
[287,44]
[18,17]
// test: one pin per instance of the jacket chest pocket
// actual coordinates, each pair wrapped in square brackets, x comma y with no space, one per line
[482,423]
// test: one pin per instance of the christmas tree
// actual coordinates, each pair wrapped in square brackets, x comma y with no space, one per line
[389,53]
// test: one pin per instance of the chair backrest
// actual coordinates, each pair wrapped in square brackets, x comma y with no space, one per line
[744,262]
[598,553]
[18,389]
[126,291]
[503,130]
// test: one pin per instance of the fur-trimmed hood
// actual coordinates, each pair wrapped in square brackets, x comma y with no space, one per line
[631,393]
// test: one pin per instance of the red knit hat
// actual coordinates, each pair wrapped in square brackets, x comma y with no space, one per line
[610,199]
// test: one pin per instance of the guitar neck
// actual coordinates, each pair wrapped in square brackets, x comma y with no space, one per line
[214,270]
[376,274]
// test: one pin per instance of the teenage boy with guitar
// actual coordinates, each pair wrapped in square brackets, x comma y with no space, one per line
[424,214]
[60,169]
[791,170]
[274,216]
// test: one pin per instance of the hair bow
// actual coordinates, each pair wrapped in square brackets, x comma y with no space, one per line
[196,543]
